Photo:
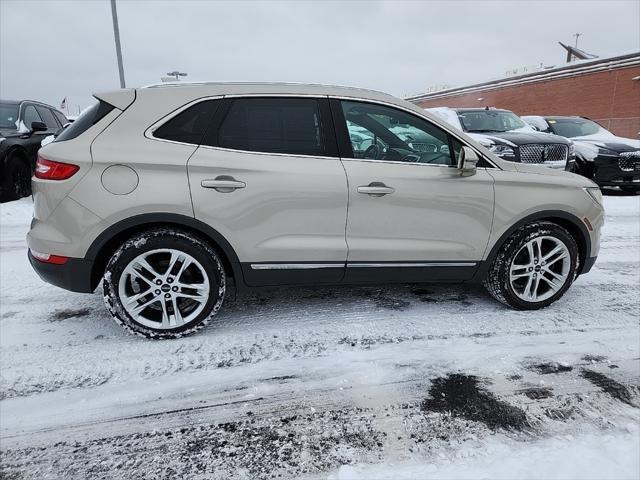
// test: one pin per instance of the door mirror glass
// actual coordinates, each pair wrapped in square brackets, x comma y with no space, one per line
[467,161]
[38,127]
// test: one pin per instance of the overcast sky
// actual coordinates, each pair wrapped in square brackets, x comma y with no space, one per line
[55,49]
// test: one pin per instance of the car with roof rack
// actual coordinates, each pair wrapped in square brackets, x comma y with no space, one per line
[170,196]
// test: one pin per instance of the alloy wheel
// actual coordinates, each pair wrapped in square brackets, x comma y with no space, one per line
[540,269]
[164,288]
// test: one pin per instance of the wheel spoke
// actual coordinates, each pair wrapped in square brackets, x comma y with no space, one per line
[166,321]
[552,285]
[176,312]
[137,309]
[185,264]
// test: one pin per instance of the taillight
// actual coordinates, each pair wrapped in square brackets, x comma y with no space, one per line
[48,258]
[50,170]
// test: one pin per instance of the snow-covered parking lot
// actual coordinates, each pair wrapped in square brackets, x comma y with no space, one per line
[428,381]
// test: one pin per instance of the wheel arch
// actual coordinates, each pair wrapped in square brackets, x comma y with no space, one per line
[570,222]
[109,240]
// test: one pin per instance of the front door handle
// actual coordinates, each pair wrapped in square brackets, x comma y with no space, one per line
[223,184]
[376,189]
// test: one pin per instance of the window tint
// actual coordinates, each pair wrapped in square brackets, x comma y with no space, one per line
[30,115]
[575,127]
[382,133]
[190,125]
[86,120]
[61,118]
[48,118]
[274,125]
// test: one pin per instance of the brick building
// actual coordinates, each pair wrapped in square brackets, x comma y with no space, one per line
[606,90]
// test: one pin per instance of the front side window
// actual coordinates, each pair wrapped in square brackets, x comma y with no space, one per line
[273,125]
[30,115]
[482,121]
[378,132]
[48,118]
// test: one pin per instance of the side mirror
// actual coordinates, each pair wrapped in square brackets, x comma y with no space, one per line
[467,161]
[38,127]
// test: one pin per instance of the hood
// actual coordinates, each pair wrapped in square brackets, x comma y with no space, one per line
[617,144]
[568,178]
[515,138]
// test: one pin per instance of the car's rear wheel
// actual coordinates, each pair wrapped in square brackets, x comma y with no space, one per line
[164,284]
[534,267]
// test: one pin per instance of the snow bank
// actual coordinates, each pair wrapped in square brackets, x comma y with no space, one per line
[594,455]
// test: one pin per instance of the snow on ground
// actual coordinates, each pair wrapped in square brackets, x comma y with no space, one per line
[409,381]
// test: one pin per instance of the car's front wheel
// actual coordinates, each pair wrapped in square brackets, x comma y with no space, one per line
[164,283]
[534,267]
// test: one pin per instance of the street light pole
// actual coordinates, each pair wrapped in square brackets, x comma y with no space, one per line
[116,33]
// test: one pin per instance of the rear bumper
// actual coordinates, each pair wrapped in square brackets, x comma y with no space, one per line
[75,275]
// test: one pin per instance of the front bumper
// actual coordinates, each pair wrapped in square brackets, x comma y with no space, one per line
[606,173]
[75,275]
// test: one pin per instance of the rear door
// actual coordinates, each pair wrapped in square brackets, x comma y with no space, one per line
[268,178]
[412,216]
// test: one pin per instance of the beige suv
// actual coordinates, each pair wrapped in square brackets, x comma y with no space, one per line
[169,193]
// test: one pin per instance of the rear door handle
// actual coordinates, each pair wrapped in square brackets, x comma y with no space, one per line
[223,184]
[376,189]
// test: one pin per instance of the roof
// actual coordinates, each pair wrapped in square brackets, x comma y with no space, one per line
[231,88]
[579,67]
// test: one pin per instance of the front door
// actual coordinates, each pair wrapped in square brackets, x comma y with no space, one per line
[411,216]
[270,181]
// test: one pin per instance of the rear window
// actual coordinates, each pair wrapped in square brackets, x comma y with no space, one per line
[273,125]
[86,120]
[190,125]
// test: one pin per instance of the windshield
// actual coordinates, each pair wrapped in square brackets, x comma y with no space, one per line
[489,121]
[574,127]
[8,115]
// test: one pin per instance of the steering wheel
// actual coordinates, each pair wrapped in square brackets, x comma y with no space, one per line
[372,152]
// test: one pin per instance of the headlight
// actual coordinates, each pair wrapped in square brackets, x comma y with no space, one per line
[595,194]
[502,150]
[572,150]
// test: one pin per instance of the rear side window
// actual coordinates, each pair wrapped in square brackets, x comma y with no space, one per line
[190,125]
[273,125]
[86,120]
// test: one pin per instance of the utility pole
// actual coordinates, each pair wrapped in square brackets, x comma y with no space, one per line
[116,33]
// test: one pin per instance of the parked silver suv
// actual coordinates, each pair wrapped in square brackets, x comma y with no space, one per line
[170,192]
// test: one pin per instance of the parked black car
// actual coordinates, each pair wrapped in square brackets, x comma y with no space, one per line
[508,136]
[23,125]
[607,159]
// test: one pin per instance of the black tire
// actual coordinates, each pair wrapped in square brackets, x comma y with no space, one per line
[164,238]
[17,179]
[497,280]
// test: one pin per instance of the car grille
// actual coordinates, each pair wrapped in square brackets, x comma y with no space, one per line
[629,161]
[536,153]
